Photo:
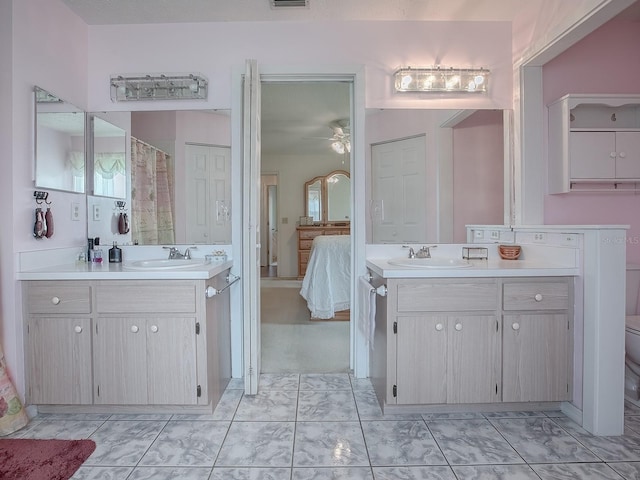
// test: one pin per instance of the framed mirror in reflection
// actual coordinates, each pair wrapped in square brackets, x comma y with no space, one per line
[327,198]
[60,143]
[109,159]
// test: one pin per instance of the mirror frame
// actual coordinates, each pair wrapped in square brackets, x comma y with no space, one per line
[324,200]
[57,106]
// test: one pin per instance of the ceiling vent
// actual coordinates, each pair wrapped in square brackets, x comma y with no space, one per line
[289,3]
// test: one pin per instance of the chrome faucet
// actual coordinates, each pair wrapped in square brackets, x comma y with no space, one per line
[412,253]
[174,253]
[424,252]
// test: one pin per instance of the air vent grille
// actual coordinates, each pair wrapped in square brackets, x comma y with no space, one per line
[289,3]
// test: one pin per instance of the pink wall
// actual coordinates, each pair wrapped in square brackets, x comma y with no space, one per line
[478,179]
[47,46]
[216,50]
[606,61]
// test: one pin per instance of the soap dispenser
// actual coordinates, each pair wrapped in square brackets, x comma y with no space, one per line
[115,254]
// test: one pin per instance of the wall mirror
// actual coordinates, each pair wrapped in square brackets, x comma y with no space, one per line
[432,172]
[327,198]
[60,144]
[109,157]
[177,177]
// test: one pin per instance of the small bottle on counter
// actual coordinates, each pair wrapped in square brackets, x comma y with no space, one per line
[97,251]
[115,254]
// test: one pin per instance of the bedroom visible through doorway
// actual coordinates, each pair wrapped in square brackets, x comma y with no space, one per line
[297,130]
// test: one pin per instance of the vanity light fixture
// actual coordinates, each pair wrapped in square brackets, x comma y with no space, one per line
[442,80]
[158,87]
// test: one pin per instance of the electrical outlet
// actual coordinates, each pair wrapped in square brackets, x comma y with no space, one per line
[539,237]
[75,211]
[495,235]
[96,213]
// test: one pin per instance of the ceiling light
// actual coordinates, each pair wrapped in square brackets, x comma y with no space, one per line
[442,80]
[158,87]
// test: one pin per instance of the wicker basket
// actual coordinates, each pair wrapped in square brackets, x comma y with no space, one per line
[509,252]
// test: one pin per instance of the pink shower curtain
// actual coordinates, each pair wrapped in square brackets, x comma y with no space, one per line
[151,195]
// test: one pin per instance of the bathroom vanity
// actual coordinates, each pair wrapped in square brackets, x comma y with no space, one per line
[479,337]
[108,337]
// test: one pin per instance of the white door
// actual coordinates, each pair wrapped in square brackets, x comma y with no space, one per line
[251,226]
[208,194]
[398,191]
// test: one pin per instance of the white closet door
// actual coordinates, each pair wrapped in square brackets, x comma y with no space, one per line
[208,194]
[398,191]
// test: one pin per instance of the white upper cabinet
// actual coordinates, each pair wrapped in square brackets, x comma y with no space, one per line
[594,143]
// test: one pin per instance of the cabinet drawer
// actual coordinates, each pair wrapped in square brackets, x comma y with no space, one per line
[442,296]
[305,244]
[58,297]
[303,257]
[309,234]
[152,296]
[536,296]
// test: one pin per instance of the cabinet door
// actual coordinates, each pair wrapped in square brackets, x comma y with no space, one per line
[473,361]
[171,361]
[421,370]
[536,358]
[59,353]
[592,155]
[628,154]
[121,361]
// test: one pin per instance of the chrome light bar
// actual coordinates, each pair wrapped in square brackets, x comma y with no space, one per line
[158,87]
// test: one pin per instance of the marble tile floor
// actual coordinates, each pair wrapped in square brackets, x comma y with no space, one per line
[329,426]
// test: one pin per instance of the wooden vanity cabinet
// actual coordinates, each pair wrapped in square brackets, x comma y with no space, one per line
[473,341]
[145,342]
[444,341]
[58,347]
[537,340]
[137,342]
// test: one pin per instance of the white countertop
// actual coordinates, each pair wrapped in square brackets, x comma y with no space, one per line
[119,271]
[478,268]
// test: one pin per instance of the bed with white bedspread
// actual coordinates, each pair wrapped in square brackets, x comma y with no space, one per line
[327,282]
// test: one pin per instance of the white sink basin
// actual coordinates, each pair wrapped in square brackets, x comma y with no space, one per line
[429,262]
[167,264]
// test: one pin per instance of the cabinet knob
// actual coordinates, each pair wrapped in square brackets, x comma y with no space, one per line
[612,155]
[515,326]
[210,292]
[55,300]
[622,154]
[154,328]
[439,326]
[538,297]
[134,329]
[77,329]
[458,326]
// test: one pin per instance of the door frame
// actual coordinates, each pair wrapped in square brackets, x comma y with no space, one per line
[359,354]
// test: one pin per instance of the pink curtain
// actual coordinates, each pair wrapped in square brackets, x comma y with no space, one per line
[151,195]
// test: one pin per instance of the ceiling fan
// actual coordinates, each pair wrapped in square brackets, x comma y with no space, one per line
[341,138]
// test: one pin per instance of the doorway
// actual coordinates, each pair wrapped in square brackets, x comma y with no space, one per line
[296,133]
[269,234]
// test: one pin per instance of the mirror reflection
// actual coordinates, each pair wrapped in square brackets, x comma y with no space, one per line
[109,159]
[432,172]
[60,144]
[327,198]
[177,180]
